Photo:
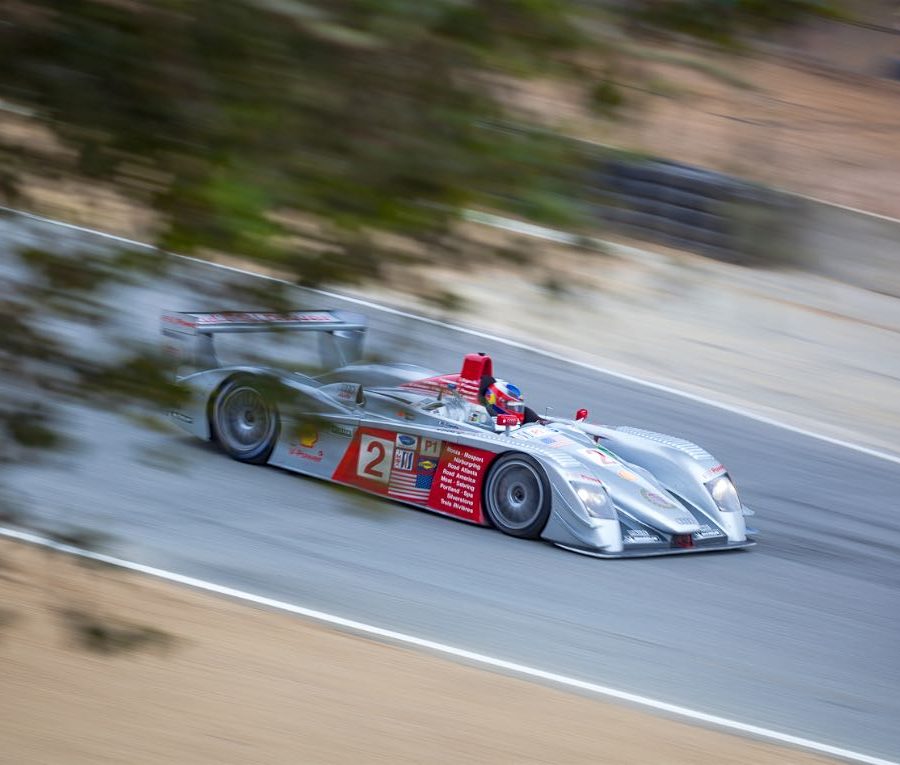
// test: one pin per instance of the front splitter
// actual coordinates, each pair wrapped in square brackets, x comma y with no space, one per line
[658,552]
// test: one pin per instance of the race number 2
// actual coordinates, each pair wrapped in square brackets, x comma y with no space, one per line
[374,461]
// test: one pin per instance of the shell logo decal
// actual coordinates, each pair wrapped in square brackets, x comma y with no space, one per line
[309,436]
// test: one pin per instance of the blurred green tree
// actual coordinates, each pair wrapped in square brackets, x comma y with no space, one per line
[366,115]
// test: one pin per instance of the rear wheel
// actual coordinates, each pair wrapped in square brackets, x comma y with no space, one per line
[244,423]
[517,496]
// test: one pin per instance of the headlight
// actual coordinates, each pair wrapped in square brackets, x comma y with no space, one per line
[595,499]
[725,495]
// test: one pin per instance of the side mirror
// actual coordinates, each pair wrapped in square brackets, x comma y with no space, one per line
[581,415]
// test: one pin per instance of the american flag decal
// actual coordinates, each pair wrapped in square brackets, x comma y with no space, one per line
[411,487]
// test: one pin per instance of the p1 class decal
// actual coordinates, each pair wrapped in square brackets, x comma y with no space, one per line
[457,483]
[431,447]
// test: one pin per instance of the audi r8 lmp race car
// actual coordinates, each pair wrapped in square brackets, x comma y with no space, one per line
[423,438]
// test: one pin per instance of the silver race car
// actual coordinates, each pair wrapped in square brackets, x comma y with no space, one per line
[423,438]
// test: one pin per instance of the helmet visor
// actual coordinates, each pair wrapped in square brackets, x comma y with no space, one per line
[514,407]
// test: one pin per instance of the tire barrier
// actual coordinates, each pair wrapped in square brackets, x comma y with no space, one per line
[691,208]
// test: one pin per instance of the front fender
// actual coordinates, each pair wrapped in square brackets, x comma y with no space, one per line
[570,524]
[682,467]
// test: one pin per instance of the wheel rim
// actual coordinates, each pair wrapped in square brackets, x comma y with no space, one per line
[515,494]
[245,421]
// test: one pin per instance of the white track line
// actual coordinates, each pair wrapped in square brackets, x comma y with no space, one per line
[73,227]
[877,453]
[459,653]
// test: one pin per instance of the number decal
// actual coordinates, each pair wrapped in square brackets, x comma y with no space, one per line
[375,455]
[374,468]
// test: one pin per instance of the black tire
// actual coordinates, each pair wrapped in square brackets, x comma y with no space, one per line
[517,496]
[243,422]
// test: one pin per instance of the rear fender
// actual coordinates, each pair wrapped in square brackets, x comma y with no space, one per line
[194,415]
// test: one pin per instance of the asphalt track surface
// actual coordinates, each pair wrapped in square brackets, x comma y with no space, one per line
[800,634]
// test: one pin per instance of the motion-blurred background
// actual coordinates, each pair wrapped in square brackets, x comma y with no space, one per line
[701,193]
[528,166]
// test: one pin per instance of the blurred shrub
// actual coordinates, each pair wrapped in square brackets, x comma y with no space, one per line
[723,21]
[31,428]
[606,97]
[364,114]
[67,272]
[61,341]
[107,636]
[143,377]
[445,300]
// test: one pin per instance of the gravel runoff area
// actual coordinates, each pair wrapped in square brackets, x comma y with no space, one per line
[221,682]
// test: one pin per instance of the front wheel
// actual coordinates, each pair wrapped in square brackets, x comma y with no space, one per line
[244,423]
[517,496]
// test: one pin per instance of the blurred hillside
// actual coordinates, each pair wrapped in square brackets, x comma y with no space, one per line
[811,109]
[290,132]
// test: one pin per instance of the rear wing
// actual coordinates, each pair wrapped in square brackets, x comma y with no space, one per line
[190,335]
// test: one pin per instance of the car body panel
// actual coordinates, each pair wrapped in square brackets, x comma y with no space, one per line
[419,437]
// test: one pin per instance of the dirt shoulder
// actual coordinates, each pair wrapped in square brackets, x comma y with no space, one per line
[233,683]
[793,127]
[774,120]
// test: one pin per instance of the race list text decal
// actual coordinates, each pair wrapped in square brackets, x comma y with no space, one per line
[458,483]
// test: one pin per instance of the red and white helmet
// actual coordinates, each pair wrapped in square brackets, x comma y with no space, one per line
[502,397]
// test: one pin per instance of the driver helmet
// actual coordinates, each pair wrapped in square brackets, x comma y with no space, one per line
[502,397]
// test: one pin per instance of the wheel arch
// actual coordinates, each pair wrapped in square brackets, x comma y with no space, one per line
[211,402]
[254,381]
[483,491]
[546,511]
[216,391]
